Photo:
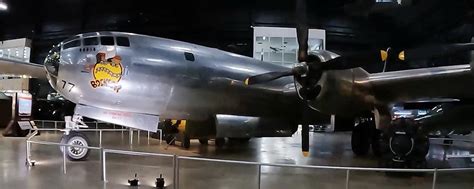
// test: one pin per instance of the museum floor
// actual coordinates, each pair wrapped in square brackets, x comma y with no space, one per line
[326,149]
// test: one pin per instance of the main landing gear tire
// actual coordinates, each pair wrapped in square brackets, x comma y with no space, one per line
[365,137]
[376,141]
[78,139]
[403,146]
[186,142]
[360,140]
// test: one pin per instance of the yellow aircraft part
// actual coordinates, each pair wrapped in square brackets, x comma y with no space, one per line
[401,55]
[181,126]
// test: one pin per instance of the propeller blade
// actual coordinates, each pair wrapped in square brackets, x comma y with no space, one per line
[305,139]
[301,30]
[270,76]
[434,51]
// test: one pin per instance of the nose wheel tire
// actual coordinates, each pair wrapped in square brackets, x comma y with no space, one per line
[77,139]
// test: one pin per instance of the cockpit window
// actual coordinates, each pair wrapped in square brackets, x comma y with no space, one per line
[107,40]
[71,44]
[91,41]
[123,41]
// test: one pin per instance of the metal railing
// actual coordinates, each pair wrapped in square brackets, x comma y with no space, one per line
[96,123]
[176,164]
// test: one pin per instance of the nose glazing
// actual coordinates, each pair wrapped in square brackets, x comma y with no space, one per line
[51,64]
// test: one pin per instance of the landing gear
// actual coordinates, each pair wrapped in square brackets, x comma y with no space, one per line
[404,146]
[77,139]
[360,140]
[364,136]
[186,141]
[73,137]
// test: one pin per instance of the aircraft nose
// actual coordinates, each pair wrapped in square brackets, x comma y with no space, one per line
[51,64]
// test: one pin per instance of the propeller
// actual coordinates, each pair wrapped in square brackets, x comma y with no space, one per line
[301,68]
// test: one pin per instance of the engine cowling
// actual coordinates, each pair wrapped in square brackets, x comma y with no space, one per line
[339,94]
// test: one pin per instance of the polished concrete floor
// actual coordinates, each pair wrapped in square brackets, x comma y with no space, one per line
[326,149]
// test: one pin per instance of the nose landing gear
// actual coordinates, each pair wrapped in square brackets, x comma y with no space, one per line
[73,137]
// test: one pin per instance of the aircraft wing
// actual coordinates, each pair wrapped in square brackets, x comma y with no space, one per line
[20,68]
[407,85]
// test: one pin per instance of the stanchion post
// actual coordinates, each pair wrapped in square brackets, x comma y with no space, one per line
[175,172]
[259,176]
[103,165]
[100,138]
[148,137]
[161,136]
[64,159]
[131,136]
[348,173]
[138,137]
[28,145]
[433,186]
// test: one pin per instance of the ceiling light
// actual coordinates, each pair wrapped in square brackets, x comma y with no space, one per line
[3,6]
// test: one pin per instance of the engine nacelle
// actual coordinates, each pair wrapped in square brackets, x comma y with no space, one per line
[338,94]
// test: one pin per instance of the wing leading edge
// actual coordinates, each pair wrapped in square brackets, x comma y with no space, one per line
[407,85]
[20,68]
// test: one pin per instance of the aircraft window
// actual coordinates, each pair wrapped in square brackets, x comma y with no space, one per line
[123,41]
[189,56]
[107,40]
[75,43]
[91,41]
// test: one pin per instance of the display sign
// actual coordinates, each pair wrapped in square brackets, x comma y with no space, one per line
[24,104]
[24,125]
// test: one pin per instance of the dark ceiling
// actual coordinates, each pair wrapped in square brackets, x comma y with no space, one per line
[350,24]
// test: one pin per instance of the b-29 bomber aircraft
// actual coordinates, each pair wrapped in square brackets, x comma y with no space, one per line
[134,80]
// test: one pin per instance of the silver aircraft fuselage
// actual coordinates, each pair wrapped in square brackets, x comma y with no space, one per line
[172,79]
[177,80]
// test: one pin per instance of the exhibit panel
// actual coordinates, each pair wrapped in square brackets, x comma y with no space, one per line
[279,45]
